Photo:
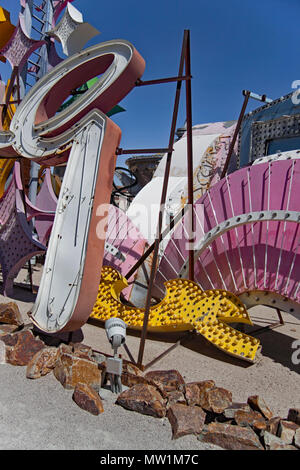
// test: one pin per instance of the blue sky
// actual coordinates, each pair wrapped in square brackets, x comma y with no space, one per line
[235,45]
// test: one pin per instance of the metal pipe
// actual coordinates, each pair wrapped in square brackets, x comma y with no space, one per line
[162,204]
[120,151]
[246,93]
[159,81]
[190,169]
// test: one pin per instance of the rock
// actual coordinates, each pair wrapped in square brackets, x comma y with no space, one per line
[70,370]
[231,437]
[192,393]
[250,418]
[42,363]
[176,396]
[165,380]
[88,399]
[215,399]
[98,357]
[185,420]
[195,391]
[65,348]
[277,446]
[131,369]
[10,314]
[230,411]
[145,399]
[258,404]
[297,438]
[287,430]
[8,329]
[21,347]
[270,440]
[205,385]
[129,380]
[272,425]
[131,375]
[2,353]
[294,415]
[82,350]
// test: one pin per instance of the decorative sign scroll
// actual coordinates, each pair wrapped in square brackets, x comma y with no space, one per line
[88,139]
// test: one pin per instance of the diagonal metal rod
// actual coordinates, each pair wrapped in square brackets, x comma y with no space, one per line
[163,200]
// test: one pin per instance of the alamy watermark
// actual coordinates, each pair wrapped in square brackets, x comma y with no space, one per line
[296,94]
[296,354]
[143,223]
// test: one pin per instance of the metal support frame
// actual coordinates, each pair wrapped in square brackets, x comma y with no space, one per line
[184,64]
[247,95]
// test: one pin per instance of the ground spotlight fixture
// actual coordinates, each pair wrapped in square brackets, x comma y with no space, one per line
[116,334]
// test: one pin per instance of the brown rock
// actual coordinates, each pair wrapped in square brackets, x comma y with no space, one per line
[192,393]
[287,430]
[42,363]
[270,441]
[82,350]
[297,438]
[272,425]
[144,399]
[231,410]
[231,437]
[258,404]
[277,446]
[129,380]
[2,353]
[215,399]
[185,420]
[250,418]
[65,348]
[294,415]
[131,369]
[87,398]
[166,380]
[21,347]
[8,329]
[132,375]
[10,314]
[70,370]
[204,386]
[176,396]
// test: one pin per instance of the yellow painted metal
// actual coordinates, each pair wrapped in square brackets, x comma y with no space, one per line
[6,29]
[6,165]
[184,307]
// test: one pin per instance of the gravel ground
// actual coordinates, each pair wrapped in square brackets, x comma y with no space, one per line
[40,414]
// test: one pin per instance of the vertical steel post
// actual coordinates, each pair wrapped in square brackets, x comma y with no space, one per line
[237,130]
[162,203]
[190,169]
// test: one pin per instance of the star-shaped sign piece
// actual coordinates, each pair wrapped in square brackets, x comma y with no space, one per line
[184,307]
[72,31]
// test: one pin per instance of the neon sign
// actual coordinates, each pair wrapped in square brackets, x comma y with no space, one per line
[87,139]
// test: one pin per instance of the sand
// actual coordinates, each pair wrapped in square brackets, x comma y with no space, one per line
[40,414]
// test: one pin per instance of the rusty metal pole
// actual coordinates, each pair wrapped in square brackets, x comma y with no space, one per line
[190,169]
[162,204]
[246,93]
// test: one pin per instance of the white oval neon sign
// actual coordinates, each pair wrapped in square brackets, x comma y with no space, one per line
[88,139]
